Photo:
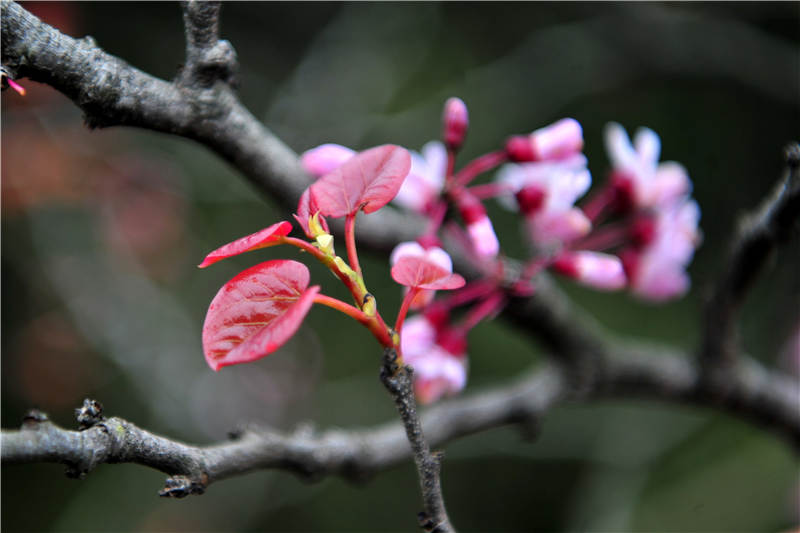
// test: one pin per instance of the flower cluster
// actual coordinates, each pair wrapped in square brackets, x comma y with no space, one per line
[637,231]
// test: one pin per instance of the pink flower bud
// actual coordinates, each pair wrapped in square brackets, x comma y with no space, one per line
[481,233]
[531,198]
[557,141]
[479,227]
[597,270]
[455,121]
[325,158]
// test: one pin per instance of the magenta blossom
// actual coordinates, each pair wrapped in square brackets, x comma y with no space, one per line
[638,177]
[455,121]
[546,193]
[594,269]
[479,227]
[657,266]
[440,367]
[559,140]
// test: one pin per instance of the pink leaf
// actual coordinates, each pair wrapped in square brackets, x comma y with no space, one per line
[261,239]
[256,312]
[367,181]
[418,272]
[305,208]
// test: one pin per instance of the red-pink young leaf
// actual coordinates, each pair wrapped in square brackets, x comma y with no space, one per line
[413,271]
[305,208]
[366,181]
[260,239]
[256,312]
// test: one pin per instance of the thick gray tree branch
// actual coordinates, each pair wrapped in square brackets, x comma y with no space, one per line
[769,401]
[113,93]
[353,455]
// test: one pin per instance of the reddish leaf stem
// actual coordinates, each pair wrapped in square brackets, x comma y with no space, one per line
[490,306]
[473,291]
[598,203]
[346,308]
[350,241]
[603,238]
[451,164]
[404,307]
[436,218]
[490,190]
[374,324]
[308,247]
[330,263]
[478,166]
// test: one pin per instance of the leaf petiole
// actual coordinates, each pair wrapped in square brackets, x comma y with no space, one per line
[404,307]
[350,241]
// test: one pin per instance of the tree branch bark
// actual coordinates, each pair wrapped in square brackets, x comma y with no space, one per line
[398,380]
[765,399]
[757,236]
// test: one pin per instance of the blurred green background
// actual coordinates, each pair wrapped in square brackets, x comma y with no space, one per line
[101,232]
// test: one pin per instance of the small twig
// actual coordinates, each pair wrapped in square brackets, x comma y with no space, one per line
[354,455]
[398,380]
[757,236]
[763,398]
[208,59]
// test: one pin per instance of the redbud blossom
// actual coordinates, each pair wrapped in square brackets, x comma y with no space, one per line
[559,140]
[455,121]
[479,227]
[426,178]
[546,193]
[656,269]
[638,177]
[325,158]
[597,270]
[438,371]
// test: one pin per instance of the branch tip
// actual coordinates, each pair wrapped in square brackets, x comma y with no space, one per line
[182,486]
[89,414]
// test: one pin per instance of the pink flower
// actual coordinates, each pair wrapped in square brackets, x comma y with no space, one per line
[557,141]
[439,370]
[426,179]
[432,254]
[455,121]
[657,267]
[597,270]
[479,226]
[637,175]
[325,158]
[546,193]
